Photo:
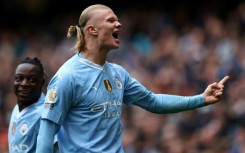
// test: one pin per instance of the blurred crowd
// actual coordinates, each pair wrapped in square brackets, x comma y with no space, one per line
[168,53]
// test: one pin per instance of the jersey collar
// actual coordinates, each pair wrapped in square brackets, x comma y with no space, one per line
[34,105]
[83,60]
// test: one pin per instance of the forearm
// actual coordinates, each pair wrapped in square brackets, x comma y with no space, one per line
[163,104]
[45,139]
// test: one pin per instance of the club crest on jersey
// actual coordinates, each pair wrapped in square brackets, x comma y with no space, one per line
[108,86]
[118,83]
[23,129]
[13,128]
[51,98]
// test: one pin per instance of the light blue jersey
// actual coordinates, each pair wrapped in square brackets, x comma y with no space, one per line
[86,100]
[24,126]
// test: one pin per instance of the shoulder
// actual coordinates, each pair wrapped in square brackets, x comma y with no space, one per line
[37,108]
[69,65]
[117,67]
[40,102]
[15,110]
[119,70]
[70,69]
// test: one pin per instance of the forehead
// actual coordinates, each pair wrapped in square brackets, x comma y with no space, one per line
[27,68]
[101,14]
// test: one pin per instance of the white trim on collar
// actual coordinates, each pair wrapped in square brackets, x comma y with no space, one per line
[91,64]
[29,107]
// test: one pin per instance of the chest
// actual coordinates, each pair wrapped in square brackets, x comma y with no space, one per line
[100,92]
[24,129]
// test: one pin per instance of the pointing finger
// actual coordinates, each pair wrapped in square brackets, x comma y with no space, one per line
[222,82]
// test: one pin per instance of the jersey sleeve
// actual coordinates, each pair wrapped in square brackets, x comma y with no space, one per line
[58,99]
[135,93]
[46,137]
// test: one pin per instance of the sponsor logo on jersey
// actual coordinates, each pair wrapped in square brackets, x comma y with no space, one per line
[48,106]
[110,108]
[106,106]
[96,89]
[13,128]
[108,86]
[118,83]
[18,148]
[23,129]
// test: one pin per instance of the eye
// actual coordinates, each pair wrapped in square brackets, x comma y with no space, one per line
[111,20]
[33,79]
[18,78]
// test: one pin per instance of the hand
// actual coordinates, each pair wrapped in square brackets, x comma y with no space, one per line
[214,92]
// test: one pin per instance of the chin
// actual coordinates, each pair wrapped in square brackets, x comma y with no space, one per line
[117,45]
[114,46]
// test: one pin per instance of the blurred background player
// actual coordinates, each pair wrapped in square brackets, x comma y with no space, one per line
[28,86]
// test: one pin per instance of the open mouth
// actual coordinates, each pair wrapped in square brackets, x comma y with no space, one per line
[115,35]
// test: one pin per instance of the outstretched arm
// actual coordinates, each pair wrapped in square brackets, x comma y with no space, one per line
[45,139]
[164,103]
[214,92]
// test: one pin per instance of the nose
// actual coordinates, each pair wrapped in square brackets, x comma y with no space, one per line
[118,24]
[24,82]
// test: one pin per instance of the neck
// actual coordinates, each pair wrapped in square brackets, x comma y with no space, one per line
[97,57]
[21,106]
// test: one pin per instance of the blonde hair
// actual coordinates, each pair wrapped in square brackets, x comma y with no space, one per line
[77,31]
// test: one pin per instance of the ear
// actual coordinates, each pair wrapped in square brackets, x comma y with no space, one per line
[92,30]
